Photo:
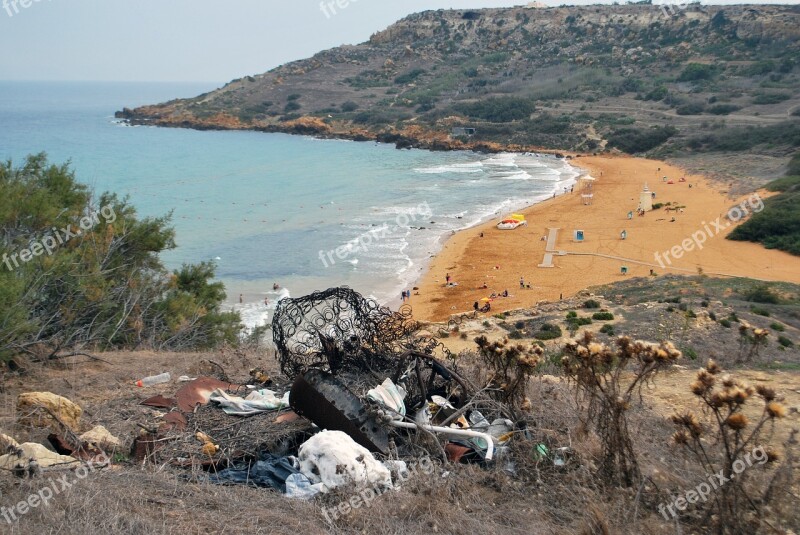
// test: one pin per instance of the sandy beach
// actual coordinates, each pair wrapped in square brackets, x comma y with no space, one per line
[501,257]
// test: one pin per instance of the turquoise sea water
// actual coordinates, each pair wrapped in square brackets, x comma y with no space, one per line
[305,213]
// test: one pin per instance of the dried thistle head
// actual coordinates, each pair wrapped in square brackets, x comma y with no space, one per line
[738,395]
[775,410]
[706,378]
[689,422]
[680,437]
[595,348]
[766,393]
[713,368]
[737,421]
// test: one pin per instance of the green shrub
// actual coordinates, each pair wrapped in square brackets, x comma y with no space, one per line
[733,317]
[607,329]
[591,303]
[409,77]
[633,140]
[292,106]
[516,335]
[723,109]
[572,314]
[771,98]
[603,316]
[293,97]
[762,294]
[697,71]
[775,326]
[692,108]
[759,311]
[349,106]
[785,183]
[712,315]
[500,316]
[548,331]
[498,109]
[690,353]
[785,342]
[725,323]
[519,325]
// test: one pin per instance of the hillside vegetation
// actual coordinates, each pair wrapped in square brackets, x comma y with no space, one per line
[632,78]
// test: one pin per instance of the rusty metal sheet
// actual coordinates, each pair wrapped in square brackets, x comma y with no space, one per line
[327,402]
[198,391]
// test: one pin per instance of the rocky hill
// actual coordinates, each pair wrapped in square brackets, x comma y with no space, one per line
[635,78]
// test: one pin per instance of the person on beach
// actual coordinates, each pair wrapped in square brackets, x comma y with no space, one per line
[241,299]
[481,234]
[505,293]
[476,306]
[447,278]
[266,302]
[522,283]
[276,286]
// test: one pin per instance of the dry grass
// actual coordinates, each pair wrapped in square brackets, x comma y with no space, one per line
[453,499]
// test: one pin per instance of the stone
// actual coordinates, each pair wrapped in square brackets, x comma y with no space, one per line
[36,409]
[99,436]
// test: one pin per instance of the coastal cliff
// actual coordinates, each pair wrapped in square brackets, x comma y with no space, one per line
[636,78]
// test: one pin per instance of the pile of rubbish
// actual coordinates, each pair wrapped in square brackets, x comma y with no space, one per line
[362,394]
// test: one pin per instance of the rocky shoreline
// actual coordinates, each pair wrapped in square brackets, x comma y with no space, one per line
[414,137]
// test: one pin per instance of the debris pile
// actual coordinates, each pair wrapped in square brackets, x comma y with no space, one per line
[361,393]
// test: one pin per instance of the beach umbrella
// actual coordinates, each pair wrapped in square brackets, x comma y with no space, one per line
[485,300]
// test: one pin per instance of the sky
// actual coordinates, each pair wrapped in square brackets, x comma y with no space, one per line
[192,40]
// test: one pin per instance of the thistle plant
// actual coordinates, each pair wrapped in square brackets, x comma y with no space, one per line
[724,440]
[606,379]
[510,367]
[751,339]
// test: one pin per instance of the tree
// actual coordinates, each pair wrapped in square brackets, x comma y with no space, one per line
[81,272]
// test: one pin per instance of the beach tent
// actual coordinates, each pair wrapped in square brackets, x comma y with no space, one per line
[587,198]
[578,236]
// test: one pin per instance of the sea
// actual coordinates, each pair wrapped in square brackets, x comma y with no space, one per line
[279,215]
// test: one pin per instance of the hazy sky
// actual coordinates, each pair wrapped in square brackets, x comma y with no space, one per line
[189,40]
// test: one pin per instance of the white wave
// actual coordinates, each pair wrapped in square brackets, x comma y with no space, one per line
[455,168]
[518,175]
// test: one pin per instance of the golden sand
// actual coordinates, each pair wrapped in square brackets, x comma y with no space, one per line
[501,257]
